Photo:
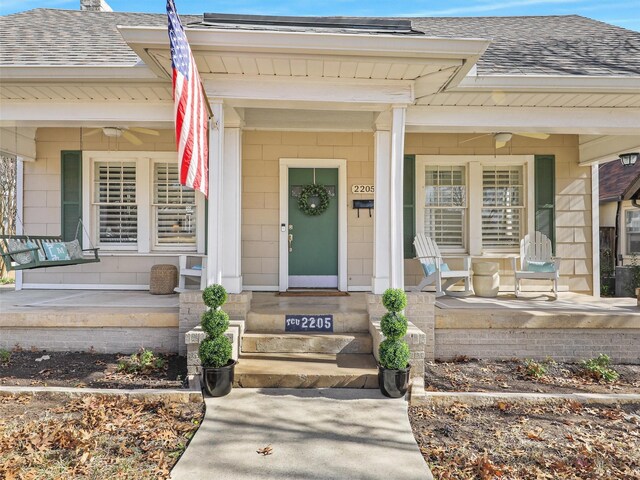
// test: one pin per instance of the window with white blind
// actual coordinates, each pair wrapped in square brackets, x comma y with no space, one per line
[445,202]
[115,202]
[136,204]
[475,204]
[174,207]
[503,215]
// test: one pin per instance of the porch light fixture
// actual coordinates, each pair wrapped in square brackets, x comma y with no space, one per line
[112,131]
[629,159]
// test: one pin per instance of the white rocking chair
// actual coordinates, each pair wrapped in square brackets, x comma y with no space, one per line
[437,272]
[536,261]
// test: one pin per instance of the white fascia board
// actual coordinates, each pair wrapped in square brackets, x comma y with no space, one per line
[310,42]
[75,72]
[549,83]
[82,113]
[587,121]
[294,89]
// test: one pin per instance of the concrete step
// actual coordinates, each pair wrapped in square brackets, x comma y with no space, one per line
[343,322]
[278,342]
[306,370]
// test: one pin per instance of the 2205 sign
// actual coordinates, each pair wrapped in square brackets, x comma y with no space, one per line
[308,323]
[362,189]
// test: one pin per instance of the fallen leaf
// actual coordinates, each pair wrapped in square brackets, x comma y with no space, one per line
[265,451]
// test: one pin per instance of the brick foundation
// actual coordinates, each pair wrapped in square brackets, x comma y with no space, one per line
[97,339]
[566,345]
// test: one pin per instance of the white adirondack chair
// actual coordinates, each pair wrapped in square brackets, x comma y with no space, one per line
[536,261]
[437,272]
[192,266]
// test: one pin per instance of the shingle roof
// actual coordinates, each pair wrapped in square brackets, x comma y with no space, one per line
[615,179]
[550,45]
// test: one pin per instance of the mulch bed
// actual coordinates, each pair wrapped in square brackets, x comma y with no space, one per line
[69,369]
[93,436]
[517,441]
[466,375]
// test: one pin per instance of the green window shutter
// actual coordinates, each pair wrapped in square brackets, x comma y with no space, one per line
[545,188]
[408,204]
[71,193]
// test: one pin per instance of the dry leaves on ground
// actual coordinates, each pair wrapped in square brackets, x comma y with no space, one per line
[564,440]
[93,437]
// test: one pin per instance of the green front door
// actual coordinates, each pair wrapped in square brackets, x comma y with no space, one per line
[313,239]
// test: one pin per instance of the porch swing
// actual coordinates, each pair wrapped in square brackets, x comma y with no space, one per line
[24,252]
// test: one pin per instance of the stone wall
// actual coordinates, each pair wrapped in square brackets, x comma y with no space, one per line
[192,307]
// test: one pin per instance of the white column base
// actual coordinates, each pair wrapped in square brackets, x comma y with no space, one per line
[379,285]
[232,284]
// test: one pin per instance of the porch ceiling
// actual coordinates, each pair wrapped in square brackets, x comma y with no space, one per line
[327,66]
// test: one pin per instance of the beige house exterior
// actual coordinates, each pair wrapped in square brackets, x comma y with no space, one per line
[385,107]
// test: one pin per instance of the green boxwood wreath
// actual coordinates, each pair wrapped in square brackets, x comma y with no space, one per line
[310,191]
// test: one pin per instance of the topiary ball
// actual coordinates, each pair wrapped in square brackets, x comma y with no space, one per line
[214,296]
[394,325]
[394,354]
[215,352]
[215,322]
[394,299]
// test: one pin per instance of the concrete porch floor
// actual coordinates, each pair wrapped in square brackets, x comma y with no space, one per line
[23,301]
[566,302]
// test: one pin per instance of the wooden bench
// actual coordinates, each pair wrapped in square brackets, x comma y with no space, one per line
[38,240]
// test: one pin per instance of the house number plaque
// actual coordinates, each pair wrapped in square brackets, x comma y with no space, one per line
[362,189]
[308,323]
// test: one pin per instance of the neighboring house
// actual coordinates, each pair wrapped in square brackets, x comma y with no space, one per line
[620,210]
[410,107]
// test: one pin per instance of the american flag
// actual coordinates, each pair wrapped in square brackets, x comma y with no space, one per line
[190,108]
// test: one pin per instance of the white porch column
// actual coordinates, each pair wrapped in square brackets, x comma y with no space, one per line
[396,254]
[388,259]
[232,206]
[215,218]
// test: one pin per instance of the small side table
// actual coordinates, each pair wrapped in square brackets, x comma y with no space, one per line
[486,279]
[163,279]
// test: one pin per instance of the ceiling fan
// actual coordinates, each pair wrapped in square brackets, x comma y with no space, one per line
[502,138]
[126,132]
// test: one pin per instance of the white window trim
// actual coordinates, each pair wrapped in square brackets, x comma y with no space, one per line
[144,167]
[623,230]
[474,165]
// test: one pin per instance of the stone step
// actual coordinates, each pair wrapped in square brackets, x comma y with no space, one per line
[306,370]
[279,342]
[343,322]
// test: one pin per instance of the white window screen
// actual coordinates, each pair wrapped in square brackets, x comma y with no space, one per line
[115,201]
[445,205]
[632,221]
[174,207]
[502,206]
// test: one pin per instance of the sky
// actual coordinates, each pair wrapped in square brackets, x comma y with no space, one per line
[624,13]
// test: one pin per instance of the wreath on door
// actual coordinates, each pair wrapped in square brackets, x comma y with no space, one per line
[314,199]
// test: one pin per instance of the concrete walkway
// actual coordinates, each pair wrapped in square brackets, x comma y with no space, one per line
[319,434]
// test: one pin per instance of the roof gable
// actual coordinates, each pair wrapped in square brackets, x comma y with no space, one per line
[616,181]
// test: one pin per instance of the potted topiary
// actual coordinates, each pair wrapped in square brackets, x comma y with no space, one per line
[215,350]
[394,369]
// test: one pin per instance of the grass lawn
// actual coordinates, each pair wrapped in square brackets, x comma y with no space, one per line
[93,437]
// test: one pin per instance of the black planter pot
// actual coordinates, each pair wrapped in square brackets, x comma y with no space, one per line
[393,383]
[217,382]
